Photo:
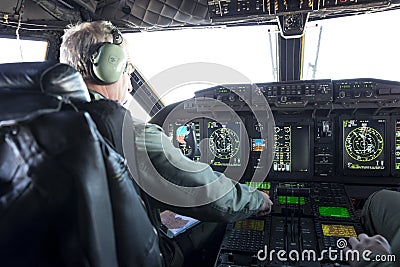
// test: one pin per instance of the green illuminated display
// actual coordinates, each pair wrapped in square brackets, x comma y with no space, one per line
[364,144]
[291,200]
[338,212]
[259,185]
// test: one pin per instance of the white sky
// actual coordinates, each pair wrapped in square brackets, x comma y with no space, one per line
[31,50]
[242,49]
[363,46]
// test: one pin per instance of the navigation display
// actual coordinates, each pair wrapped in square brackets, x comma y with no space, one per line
[224,143]
[364,145]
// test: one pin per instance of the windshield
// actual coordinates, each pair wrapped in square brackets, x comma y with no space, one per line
[362,46]
[225,55]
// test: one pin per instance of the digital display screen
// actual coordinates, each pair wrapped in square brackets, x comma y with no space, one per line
[397,146]
[364,144]
[291,200]
[224,143]
[258,145]
[259,185]
[255,225]
[338,230]
[332,211]
[292,149]
[179,134]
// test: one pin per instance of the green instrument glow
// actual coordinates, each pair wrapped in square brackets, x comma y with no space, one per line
[338,212]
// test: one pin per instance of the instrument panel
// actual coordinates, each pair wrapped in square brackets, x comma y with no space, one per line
[303,143]
[320,130]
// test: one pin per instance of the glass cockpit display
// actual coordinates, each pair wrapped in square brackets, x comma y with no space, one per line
[364,145]
[338,230]
[186,137]
[292,148]
[224,143]
[258,144]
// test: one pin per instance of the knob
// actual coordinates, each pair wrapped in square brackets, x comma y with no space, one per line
[283,98]
[368,93]
[342,94]
[232,98]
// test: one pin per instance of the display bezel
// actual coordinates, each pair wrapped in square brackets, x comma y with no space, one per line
[240,154]
[297,175]
[171,133]
[386,148]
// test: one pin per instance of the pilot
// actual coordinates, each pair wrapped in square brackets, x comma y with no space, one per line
[98,51]
[381,219]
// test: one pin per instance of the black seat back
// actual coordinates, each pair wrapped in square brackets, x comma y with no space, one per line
[66,197]
[49,77]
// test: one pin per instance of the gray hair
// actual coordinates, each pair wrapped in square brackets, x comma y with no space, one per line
[79,42]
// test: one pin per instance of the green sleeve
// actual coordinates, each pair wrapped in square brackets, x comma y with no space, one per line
[381,215]
[187,187]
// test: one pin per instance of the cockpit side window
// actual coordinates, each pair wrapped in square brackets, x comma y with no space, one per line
[22,50]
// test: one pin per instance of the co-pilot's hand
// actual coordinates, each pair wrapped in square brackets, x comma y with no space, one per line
[376,243]
[266,206]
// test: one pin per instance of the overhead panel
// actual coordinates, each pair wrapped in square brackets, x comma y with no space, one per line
[291,15]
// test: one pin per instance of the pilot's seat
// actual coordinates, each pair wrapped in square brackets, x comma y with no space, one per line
[66,197]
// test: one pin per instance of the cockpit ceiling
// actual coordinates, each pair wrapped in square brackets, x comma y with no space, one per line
[171,14]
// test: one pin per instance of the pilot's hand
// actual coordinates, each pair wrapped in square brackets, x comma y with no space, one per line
[376,243]
[266,206]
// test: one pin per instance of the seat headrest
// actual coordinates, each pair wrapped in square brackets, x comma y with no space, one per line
[49,77]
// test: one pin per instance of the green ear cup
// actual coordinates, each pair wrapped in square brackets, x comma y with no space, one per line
[108,63]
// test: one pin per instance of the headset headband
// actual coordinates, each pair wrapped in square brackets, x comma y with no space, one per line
[117,36]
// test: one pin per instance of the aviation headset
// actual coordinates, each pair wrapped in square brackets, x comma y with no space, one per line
[108,61]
